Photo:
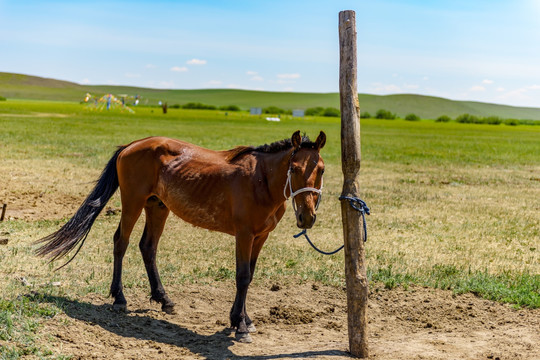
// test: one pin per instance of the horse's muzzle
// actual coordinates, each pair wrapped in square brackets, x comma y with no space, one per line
[305,221]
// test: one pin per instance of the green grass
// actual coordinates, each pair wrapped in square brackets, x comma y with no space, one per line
[17,86]
[522,290]
[19,321]
[453,205]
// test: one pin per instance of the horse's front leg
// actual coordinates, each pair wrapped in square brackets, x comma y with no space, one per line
[244,243]
[255,250]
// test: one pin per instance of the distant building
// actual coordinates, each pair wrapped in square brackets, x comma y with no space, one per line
[298,113]
[255,111]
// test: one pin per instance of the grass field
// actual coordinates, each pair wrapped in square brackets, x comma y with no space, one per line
[454,206]
[18,86]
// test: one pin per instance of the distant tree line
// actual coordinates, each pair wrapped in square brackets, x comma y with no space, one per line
[276,110]
[380,114]
[490,120]
[201,106]
[315,111]
[463,118]
[320,111]
[2,98]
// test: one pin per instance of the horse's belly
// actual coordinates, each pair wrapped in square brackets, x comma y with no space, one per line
[208,212]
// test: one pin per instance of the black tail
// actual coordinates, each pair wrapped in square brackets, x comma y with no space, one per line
[75,231]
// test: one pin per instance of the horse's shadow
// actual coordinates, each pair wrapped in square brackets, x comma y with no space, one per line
[214,346]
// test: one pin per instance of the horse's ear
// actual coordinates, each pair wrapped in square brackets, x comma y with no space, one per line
[296,139]
[321,140]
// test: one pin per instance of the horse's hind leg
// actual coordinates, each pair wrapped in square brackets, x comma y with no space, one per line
[156,215]
[130,213]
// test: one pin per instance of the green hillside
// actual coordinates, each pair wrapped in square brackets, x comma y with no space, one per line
[17,86]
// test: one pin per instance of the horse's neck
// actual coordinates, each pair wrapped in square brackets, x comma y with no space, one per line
[276,166]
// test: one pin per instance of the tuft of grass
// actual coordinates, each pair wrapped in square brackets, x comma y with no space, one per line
[389,278]
[20,320]
[522,290]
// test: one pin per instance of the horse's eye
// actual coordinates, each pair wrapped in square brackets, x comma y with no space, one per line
[322,172]
[296,169]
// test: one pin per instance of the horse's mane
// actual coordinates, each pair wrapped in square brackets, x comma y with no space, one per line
[272,148]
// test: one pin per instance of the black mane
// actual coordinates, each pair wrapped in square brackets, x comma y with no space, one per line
[272,148]
[284,144]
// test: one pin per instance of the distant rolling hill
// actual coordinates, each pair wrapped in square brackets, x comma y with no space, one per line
[18,86]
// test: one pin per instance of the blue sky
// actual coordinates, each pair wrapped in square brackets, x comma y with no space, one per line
[464,50]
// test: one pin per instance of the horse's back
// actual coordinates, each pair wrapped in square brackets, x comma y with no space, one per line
[193,182]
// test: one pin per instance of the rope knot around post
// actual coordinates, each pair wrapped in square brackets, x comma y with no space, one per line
[360,206]
[357,204]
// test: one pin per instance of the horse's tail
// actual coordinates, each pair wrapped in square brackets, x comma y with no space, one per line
[75,231]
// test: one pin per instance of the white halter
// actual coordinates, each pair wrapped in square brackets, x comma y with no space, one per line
[299,191]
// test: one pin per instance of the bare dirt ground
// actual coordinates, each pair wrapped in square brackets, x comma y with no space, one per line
[30,194]
[300,322]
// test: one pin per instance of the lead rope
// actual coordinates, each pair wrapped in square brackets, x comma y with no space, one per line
[304,232]
[357,204]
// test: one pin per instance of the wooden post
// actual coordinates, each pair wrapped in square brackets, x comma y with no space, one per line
[4,206]
[355,264]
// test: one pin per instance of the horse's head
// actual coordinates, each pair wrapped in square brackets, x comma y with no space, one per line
[305,178]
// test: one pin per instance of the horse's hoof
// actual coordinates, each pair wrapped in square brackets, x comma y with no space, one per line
[119,308]
[169,309]
[243,338]
[252,329]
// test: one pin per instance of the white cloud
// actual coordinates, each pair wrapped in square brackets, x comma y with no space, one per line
[517,96]
[289,76]
[385,88]
[160,84]
[288,88]
[411,86]
[179,69]
[214,83]
[196,62]
[85,81]
[425,78]
[257,78]
[521,96]
[392,88]
[251,73]
[500,88]
[166,84]
[487,82]
[234,86]
[150,66]
[477,88]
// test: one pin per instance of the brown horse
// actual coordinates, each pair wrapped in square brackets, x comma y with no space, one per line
[241,192]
